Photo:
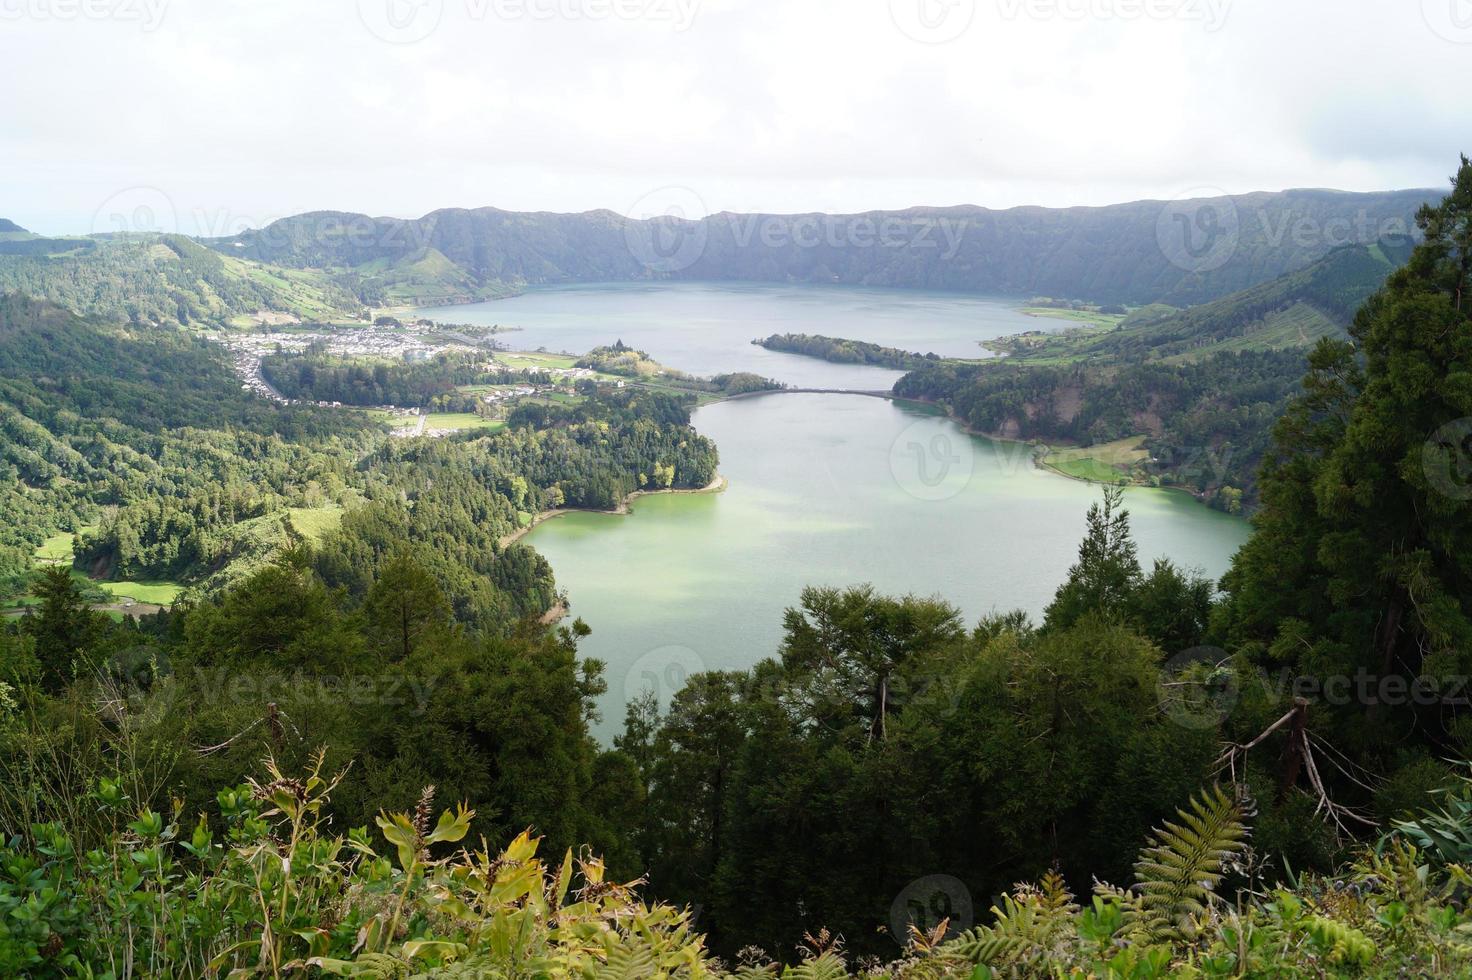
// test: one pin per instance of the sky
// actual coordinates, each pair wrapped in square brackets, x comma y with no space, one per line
[211,116]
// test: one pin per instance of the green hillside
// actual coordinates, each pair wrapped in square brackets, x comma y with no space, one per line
[423,278]
[167,280]
[149,427]
[1291,311]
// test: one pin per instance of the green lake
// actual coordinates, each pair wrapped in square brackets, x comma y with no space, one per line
[824,489]
[834,490]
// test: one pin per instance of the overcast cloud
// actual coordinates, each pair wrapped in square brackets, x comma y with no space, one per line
[215,115]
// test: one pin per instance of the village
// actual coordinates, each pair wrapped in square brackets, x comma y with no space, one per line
[388,339]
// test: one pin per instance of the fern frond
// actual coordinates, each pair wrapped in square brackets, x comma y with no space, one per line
[764,972]
[1178,875]
[628,962]
[1029,927]
[829,966]
[1054,893]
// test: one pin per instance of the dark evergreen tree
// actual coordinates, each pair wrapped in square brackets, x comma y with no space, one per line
[1360,565]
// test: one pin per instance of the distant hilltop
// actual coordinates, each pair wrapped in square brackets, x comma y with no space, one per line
[10,227]
[1175,252]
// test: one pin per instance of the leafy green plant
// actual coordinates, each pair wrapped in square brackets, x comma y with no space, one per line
[266,889]
[1178,875]
[1446,831]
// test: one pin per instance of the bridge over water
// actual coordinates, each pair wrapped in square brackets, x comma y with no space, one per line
[815,391]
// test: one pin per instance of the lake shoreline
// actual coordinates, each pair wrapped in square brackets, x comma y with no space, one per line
[718,485]
[1040,458]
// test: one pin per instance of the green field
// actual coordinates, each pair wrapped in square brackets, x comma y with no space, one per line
[1075,316]
[393,419]
[155,593]
[313,523]
[461,420]
[58,547]
[1108,462]
[1300,325]
[537,360]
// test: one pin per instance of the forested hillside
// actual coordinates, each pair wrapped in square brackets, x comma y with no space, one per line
[1121,253]
[1206,423]
[165,280]
[102,419]
[853,801]
[142,442]
[1203,386]
[1291,311]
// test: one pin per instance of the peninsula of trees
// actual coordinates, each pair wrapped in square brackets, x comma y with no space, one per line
[840,351]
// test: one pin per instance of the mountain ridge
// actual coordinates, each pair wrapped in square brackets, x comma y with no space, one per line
[1112,253]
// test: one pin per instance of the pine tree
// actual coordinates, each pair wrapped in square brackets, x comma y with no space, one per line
[1361,561]
[1104,578]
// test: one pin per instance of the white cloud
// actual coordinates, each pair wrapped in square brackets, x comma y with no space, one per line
[244,110]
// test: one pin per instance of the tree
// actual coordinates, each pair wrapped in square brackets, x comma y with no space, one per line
[1359,565]
[63,628]
[851,644]
[690,779]
[1107,571]
[1046,733]
[1172,607]
[404,606]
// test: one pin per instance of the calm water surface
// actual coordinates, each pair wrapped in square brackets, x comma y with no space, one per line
[824,489]
[707,328]
[834,490]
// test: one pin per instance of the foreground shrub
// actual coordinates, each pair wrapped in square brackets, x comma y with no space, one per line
[278,894]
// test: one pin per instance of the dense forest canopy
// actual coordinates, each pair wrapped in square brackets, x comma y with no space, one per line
[315,375]
[1274,769]
[841,351]
[1202,386]
[1207,423]
[167,279]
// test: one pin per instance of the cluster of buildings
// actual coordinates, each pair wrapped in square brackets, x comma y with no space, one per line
[382,342]
[508,394]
